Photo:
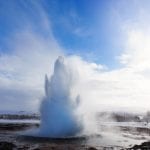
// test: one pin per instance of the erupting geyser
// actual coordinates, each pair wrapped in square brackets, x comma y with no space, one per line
[58,118]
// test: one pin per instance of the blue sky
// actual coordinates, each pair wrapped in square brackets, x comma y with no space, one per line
[89,29]
[106,41]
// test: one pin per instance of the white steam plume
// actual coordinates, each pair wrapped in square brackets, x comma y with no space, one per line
[58,110]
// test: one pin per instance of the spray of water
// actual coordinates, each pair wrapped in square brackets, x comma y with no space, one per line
[58,118]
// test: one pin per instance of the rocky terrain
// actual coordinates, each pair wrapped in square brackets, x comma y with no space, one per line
[11,139]
[12,136]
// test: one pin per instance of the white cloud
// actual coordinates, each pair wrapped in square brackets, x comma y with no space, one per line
[137,51]
[23,70]
[104,90]
[31,55]
[22,77]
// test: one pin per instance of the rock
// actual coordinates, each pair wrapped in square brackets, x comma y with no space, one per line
[92,148]
[6,145]
[24,147]
[144,146]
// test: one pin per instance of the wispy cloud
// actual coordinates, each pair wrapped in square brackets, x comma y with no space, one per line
[31,55]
